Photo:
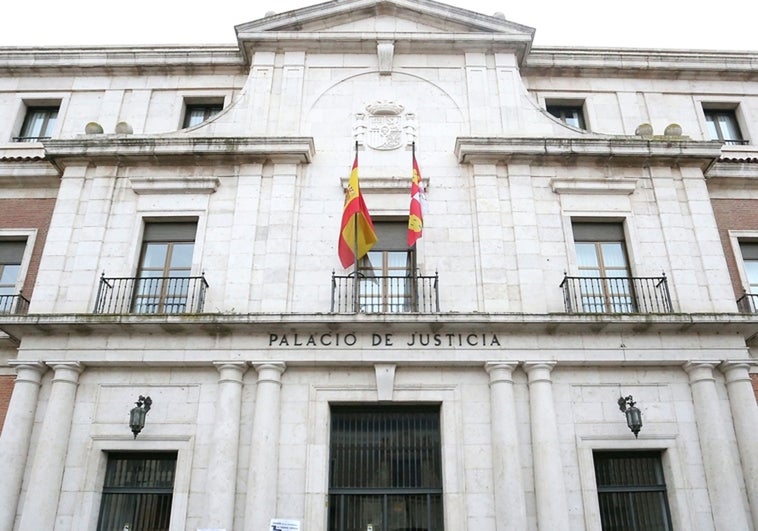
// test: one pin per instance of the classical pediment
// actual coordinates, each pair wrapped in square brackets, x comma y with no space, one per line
[353,24]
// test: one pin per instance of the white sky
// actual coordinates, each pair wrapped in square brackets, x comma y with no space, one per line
[669,24]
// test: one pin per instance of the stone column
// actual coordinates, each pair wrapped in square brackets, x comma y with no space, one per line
[220,486]
[41,500]
[723,487]
[510,506]
[260,505]
[549,486]
[14,442]
[745,419]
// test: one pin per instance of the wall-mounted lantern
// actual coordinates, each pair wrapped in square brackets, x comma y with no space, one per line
[138,413]
[633,414]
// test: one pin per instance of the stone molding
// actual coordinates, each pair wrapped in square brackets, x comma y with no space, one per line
[174,185]
[123,149]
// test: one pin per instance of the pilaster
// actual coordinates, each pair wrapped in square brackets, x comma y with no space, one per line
[15,439]
[262,484]
[549,485]
[510,505]
[723,488]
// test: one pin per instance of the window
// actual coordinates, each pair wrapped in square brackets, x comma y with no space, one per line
[388,270]
[39,124]
[385,469]
[749,302]
[11,255]
[631,491]
[137,491]
[164,284]
[603,268]
[722,126]
[196,113]
[572,114]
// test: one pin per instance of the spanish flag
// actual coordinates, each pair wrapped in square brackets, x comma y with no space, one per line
[416,215]
[357,228]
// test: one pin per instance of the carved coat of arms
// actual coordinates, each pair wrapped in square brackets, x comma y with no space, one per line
[384,125]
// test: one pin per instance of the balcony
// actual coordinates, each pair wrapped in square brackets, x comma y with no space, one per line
[13,304]
[616,294]
[748,303]
[151,295]
[385,294]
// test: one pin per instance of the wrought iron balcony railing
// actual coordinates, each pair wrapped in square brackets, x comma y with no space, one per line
[153,295]
[385,294]
[736,142]
[13,304]
[30,138]
[616,294]
[748,303]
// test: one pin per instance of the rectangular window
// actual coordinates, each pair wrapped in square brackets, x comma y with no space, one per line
[39,124]
[387,271]
[11,255]
[197,113]
[603,267]
[723,126]
[137,491]
[164,284]
[749,302]
[571,113]
[385,469]
[632,491]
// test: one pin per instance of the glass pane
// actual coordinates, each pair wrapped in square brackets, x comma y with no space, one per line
[751,268]
[728,125]
[713,133]
[9,274]
[181,255]
[613,255]
[586,255]
[154,256]
[195,116]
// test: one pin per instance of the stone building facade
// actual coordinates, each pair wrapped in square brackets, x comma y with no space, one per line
[170,219]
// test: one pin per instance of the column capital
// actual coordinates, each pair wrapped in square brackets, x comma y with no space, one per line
[66,371]
[700,370]
[270,371]
[538,371]
[500,371]
[230,371]
[28,371]
[737,370]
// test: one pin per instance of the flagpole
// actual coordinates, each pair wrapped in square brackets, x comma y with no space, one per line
[355,253]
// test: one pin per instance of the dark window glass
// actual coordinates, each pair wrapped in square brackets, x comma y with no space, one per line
[631,491]
[571,114]
[163,282]
[385,469]
[722,126]
[200,112]
[137,492]
[39,124]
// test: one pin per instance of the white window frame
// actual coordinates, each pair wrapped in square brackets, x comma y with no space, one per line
[735,236]
[92,491]
[727,103]
[40,99]
[574,99]
[200,98]
[671,463]
[18,234]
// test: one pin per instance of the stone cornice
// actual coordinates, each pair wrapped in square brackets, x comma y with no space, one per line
[113,59]
[430,43]
[127,149]
[634,62]
[212,324]
[623,150]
